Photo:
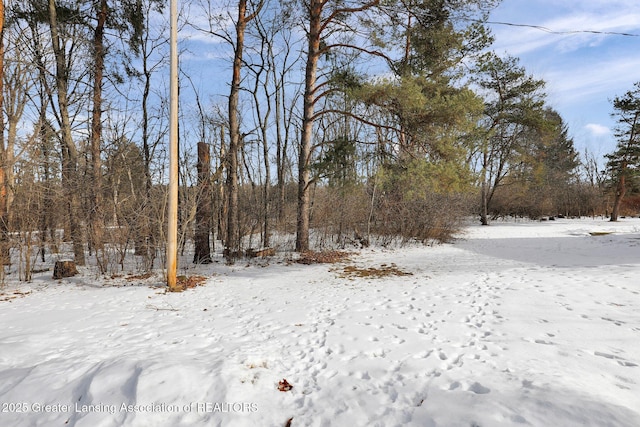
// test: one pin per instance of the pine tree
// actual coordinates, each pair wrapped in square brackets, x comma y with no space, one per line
[513,109]
[624,162]
[546,171]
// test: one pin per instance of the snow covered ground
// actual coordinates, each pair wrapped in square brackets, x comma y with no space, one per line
[533,324]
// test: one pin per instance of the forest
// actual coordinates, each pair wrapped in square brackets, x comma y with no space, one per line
[344,122]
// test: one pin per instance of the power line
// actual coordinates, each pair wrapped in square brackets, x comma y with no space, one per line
[548,30]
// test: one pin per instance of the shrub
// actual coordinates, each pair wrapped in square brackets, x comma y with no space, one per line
[422,201]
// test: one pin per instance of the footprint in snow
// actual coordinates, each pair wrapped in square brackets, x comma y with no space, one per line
[519,419]
[618,359]
[478,388]
[456,362]
[362,375]
[527,384]
[423,354]
[615,322]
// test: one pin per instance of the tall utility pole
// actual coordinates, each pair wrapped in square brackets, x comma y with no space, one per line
[172,226]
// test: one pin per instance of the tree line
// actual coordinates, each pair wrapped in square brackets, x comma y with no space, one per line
[344,121]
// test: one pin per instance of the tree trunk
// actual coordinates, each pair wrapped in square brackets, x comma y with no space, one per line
[202,253]
[96,212]
[145,232]
[221,196]
[304,158]
[621,189]
[484,213]
[46,215]
[280,153]
[263,120]
[484,196]
[69,152]
[5,255]
[4,205]
[266,238]
[232,243]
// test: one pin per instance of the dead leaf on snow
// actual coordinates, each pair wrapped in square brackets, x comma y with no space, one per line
[324,257]
[373,272]
[188,282]
[284,385]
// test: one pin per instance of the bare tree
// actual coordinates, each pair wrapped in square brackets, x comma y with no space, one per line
[271,61]
[261,72]
[232,243]
[96,211]
[20,77]
[69,150]
[282,62]
[320,17]
[150,44]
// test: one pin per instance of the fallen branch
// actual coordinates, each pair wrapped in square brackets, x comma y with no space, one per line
[153,307]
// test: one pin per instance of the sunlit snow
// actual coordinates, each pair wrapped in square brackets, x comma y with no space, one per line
[519,323]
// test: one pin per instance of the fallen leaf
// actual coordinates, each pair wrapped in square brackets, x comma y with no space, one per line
[284,385]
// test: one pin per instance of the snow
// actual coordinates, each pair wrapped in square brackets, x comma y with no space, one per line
[519,323]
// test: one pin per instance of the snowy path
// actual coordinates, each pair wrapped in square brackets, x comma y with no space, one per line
[516,324]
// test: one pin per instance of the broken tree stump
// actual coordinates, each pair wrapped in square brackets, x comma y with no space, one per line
[64,269]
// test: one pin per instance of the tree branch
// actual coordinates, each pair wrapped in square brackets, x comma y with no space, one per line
[347,10]
[356,117]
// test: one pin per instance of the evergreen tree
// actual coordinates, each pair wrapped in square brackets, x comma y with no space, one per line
[544,168]
[624,163]
[513,109]
[427,104]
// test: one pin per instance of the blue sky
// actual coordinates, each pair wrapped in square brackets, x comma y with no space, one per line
[583,71]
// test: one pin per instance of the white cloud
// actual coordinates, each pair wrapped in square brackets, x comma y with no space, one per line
[584,16]
[583,71]
[575,81]
[598,130]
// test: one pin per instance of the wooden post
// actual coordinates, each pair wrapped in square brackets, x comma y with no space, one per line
[172,226]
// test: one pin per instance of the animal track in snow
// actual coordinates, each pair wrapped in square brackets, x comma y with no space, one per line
[618,359]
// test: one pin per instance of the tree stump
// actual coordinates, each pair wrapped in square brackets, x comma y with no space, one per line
[64,269]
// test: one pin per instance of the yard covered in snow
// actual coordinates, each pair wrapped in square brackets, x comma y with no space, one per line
[531,323]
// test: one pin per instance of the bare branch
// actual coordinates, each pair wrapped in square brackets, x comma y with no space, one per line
[358,118]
